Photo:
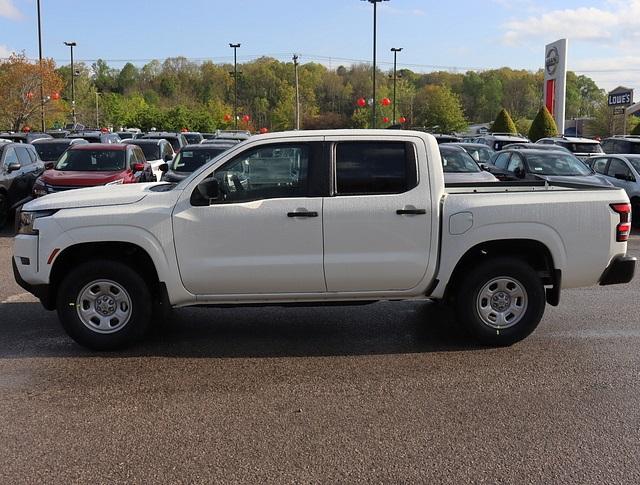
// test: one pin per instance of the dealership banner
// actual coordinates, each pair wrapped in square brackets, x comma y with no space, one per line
[555,80]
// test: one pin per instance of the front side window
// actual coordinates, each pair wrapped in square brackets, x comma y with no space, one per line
[502,160]
[618,167]
[23,156]
[516,163]
[267,172]
[10,156]
[374,168]
[92,160]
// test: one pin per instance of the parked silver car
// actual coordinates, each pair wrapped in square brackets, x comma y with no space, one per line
[623,171]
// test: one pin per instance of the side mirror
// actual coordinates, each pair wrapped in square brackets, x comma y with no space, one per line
[12,167]
[49,165]
[163,167]
[168,157]
[138,167]
[205,192]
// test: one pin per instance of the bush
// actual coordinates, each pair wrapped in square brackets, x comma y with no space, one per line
[543,125]
[504,123]
[636,130]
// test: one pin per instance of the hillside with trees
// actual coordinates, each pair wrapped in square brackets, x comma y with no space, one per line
[177,93]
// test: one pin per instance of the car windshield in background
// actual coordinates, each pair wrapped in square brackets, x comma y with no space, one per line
[457,161]
[193,138]
[479,154]
[92,161]
[175,143]
[190,160]
[556,164]
[151,151]
[635,161]
[582,147]
[50,152]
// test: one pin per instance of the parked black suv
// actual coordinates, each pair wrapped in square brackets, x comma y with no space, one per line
[27,137]
[629,144]
[20,166]
[96,136]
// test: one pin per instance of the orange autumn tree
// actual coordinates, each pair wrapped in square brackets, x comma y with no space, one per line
[20,91]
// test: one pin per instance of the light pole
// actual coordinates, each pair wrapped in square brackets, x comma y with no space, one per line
[41,71]
[73,84]
[235,78]
[97,115]
[395,51]
[295,67]
[373,105]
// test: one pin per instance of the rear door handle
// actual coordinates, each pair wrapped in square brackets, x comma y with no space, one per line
[302,214]
[403,212]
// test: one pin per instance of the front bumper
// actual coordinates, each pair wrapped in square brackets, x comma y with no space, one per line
[39,291]
[620,270]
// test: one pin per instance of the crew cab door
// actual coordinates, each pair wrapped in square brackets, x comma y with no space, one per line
[263,234]
[377,222]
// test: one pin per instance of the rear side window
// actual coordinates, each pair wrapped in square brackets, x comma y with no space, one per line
[599,165]
[618,167]
[374,168]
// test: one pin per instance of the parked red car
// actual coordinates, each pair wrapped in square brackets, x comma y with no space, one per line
[95,164]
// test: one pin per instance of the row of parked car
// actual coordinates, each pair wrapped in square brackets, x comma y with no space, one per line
[34,165]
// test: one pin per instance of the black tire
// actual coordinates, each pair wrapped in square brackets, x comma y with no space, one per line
[139,311]
[469,301]
[4,210]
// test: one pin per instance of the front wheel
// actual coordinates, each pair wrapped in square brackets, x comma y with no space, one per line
[501,301]
[104,305]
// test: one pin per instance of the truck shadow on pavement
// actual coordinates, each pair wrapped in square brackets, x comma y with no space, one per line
[382,328]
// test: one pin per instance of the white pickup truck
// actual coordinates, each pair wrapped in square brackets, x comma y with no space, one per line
[319,217]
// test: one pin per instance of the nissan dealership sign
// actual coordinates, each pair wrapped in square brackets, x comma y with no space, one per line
[555,80]
[621,97]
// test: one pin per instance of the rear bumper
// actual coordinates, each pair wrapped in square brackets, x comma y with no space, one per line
[39,291]
[620,270]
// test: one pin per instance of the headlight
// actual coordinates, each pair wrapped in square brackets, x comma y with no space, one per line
[116,182]
[28,218]
[39,189]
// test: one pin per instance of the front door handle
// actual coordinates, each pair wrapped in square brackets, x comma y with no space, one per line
[302,213]
[411,211]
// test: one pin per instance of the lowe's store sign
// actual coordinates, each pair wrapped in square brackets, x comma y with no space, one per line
[621,97]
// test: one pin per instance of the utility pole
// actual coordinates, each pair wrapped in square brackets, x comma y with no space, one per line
[235,78]
[73,84]
[42,122]
[395,51]
[295,67]
[373,104]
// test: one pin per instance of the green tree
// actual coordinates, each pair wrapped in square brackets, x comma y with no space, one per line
[504,123]
[543,125]
[636,130]
[438,108]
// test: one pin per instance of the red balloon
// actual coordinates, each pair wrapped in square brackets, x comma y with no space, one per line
[26,128]
[227,117]
[361,102]
[29,95]
[263,130]
[246,118]
[385,119]
[55,95]
[402,119]
[104,130]
[183,130]
[386,101]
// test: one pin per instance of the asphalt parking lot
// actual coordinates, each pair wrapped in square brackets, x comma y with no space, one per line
[384,393]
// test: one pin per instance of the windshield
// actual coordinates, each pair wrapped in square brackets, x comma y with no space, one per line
[479,154]
[556,164]
[190,160]
[50,152]
[151,150]
[175,142]
[92,161]
[635,161]
[457,161]
[582,147]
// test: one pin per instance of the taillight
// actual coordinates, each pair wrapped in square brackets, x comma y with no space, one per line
[623,229]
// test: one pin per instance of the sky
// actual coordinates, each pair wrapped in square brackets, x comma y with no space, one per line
[456,35]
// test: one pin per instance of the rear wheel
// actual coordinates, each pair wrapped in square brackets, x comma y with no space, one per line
[104,305]
[501,301]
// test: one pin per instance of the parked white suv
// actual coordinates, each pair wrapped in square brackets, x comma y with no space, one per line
[313,218]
